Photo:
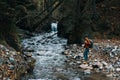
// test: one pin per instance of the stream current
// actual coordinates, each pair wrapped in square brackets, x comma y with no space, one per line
[50,63]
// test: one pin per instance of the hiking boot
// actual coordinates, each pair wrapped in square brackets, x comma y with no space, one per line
[85,62]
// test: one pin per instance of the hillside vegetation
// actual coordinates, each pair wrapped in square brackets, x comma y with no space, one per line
[98,18]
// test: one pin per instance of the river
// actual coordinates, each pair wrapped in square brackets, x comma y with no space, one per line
[51,64]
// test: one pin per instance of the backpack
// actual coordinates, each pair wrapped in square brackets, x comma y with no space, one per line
[91,44]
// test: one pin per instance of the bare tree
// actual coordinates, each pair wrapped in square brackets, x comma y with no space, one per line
[48,14]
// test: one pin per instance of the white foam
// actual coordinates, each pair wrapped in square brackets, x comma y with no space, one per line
[48,50]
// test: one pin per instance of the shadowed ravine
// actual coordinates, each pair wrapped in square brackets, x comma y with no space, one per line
[50,64]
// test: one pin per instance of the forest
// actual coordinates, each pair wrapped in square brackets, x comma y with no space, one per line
[98,19]
[76,18]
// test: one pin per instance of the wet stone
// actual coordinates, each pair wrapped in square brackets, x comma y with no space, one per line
[118,69]
[11,67]
[77,57]
[1,61]
[78,62]
[89,67]
[87,72]
[104,63]
[12,60]
[28,55]
[76,79]
[84,66]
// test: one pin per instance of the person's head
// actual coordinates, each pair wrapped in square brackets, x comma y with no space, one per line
[86,37]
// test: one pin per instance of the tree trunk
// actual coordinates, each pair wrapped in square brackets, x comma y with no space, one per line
[40,22]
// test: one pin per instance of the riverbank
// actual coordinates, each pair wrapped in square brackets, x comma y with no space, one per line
[55,60]
[14,64]
[104,60]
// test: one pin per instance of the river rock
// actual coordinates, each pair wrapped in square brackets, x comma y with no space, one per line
[88,71]
[1,61]
[8,65]
[28,54]
[4,78]
[104,63]
[76,79]
[11,59]
[11,67]
[66,52]
[110,67]
[118,69]
[111,54]
[116,75]
[84,66]
[100,65]
[104,57]
[110,75]
[115,48]
[89,67]
[76,57]
[78,62]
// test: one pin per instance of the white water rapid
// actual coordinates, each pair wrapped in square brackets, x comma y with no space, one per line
[47,49]
[51,64]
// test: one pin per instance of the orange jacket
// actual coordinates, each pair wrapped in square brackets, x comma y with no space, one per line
[87,43]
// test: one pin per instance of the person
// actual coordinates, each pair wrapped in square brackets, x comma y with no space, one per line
[86,46]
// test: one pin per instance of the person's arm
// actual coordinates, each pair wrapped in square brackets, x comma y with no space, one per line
[85,44]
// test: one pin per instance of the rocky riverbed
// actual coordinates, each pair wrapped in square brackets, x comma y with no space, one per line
[103,64]
[14,64]
[55,60]
[104,60]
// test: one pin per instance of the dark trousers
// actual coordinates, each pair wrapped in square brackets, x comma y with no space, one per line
[86,54]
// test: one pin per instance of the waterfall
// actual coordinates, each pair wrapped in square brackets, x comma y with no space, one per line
[54,26]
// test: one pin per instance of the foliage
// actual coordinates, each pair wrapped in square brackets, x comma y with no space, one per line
[76,17]
[7,22]
[93,17]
